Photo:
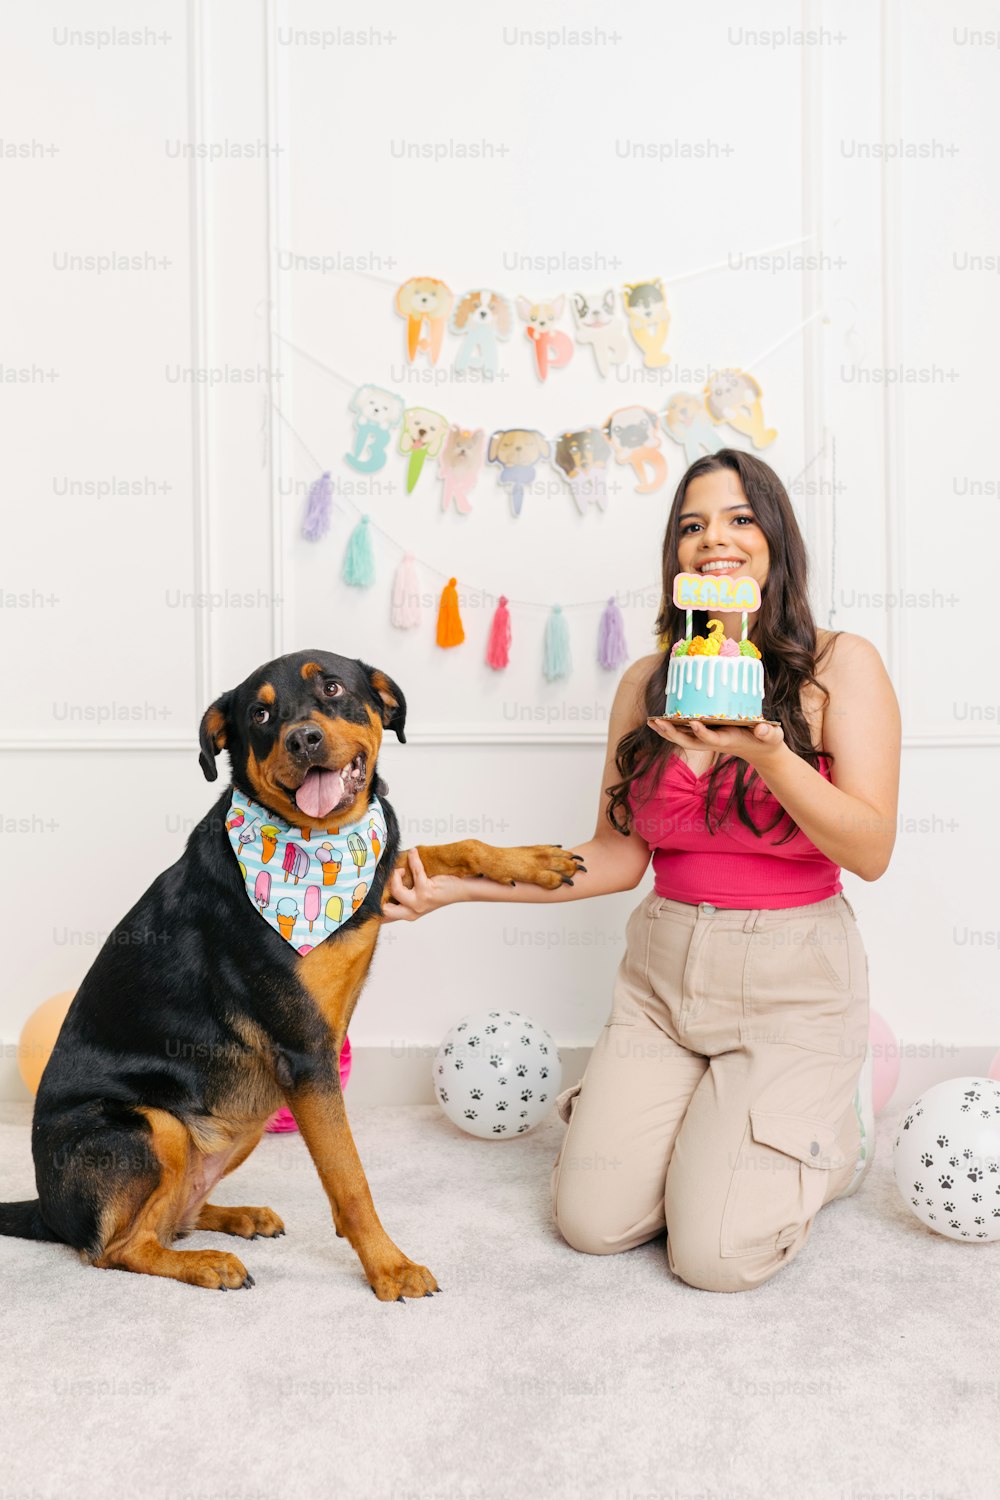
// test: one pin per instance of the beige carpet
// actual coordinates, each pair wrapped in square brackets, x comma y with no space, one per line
[869,1368]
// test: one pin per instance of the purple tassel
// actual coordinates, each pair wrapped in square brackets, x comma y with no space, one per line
[316,522]
[612,650]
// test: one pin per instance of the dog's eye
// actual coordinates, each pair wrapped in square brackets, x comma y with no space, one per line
[260,714]
[332,689]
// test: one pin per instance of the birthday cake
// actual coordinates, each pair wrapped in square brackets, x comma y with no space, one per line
[714,676]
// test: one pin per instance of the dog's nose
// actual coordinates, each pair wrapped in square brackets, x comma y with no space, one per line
[303,741]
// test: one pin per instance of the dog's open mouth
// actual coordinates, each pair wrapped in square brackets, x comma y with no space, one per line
[324,791]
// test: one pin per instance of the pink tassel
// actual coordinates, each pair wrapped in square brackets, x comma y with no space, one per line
[406,595]
[498,649]
[612,650]
[316,521]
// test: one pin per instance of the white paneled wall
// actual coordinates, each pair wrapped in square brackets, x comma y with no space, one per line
[180,203]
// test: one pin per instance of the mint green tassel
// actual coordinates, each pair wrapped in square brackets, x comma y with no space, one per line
[359,565]
[558,662]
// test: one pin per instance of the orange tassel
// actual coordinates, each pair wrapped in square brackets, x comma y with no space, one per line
[449,625]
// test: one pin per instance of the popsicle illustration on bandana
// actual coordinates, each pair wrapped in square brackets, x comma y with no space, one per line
[333,866]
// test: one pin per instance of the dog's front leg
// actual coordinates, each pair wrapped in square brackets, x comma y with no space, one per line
[320,1115]
[546,865]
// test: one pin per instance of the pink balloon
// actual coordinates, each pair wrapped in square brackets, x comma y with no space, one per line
[995,1068]
[885,1060]
[283,1120]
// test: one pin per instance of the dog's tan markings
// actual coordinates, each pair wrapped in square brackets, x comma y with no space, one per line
[380,683]
[322,1119]
[215,724]
[135,1233]
[310,669]
[266,694]
[343,743]
[534,864]
[334,973]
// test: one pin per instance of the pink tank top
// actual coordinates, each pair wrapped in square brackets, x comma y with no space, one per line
[731,867]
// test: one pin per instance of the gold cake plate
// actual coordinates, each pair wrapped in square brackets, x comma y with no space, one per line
[715,723]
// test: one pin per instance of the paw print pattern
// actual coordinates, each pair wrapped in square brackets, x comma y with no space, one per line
[493,1066]
[927,1159]
[942,1141]
[946,1183]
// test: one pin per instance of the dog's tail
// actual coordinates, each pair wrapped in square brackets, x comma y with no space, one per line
[23,1221]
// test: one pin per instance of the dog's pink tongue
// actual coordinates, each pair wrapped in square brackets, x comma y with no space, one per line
[319,793]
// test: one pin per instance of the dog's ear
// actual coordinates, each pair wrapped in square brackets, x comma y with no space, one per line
[213,735]
[392,704]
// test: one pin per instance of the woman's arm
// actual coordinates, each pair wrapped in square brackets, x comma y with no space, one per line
[853,820]
[612,861]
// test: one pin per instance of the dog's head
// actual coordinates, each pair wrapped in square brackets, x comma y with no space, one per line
[303,735]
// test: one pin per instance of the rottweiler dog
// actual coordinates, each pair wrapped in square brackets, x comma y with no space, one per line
[197,1019]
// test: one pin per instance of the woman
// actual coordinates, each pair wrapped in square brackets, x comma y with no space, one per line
[728,1097]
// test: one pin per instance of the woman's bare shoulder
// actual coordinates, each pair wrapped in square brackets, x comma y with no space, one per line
[630,699]
[841,651]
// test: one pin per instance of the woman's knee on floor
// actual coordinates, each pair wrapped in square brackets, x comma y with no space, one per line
[698,1261]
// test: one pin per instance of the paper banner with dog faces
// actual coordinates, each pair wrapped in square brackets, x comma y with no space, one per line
[648,320]
[599,328]
[553,348]
[376,412]
[633,433]
[422,434]
[734,397]
[517,453]
[686,420]
[460,464]
[582,459]
[425,304]
[481,318]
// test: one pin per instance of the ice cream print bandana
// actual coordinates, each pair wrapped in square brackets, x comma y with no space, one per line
[304,882]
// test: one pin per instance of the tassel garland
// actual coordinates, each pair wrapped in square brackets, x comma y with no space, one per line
[498,648]
[405,613]
[359,565]
[449,622]
[319,502]
[557,661]
[612,650]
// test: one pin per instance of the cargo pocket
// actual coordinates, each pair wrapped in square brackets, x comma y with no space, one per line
[779,1181]
[566,1100]
[829,944]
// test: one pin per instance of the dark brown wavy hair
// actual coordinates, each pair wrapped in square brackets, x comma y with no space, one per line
[784,633]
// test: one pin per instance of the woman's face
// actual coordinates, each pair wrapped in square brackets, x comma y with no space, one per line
[719,533]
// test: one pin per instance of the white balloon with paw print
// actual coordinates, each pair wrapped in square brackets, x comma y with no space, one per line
[497,1073]
[946,1158]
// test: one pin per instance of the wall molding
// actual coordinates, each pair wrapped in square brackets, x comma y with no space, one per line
[446,734]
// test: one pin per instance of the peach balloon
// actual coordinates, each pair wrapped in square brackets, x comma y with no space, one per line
[38,1037]
[885,1060]
[995,1068]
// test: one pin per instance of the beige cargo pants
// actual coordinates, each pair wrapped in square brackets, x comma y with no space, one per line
[718,1100]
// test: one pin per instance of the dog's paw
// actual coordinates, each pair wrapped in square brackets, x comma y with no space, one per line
[404,1278]
[248,1223]
[215,1269]
[546,865]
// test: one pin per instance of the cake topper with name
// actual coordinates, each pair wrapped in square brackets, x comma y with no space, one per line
[722,593]
[719,591]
